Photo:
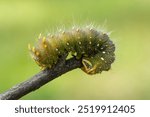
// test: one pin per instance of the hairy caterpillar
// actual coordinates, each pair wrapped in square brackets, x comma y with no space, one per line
[92,46]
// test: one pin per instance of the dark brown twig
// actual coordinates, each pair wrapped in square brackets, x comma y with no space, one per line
[40,79]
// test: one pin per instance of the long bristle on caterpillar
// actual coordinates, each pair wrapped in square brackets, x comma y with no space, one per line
[89,44]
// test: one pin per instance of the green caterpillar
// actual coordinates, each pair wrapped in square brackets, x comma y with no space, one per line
[92,46]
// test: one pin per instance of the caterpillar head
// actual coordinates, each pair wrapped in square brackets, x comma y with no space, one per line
[97,64]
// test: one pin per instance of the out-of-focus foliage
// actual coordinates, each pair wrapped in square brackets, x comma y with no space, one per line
[129,21]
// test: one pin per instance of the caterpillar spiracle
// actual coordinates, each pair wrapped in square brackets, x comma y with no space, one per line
[92,46]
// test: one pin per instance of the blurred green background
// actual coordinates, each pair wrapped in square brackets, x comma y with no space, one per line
[129,21]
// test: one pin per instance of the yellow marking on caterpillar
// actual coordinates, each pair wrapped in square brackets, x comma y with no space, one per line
[45,46]
[37,53]
[33,49]
[43,40]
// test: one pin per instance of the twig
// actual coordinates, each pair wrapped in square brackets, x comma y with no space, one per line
[40,79]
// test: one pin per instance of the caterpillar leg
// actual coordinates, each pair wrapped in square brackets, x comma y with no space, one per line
[92,70]
[88,68]
[86,65]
